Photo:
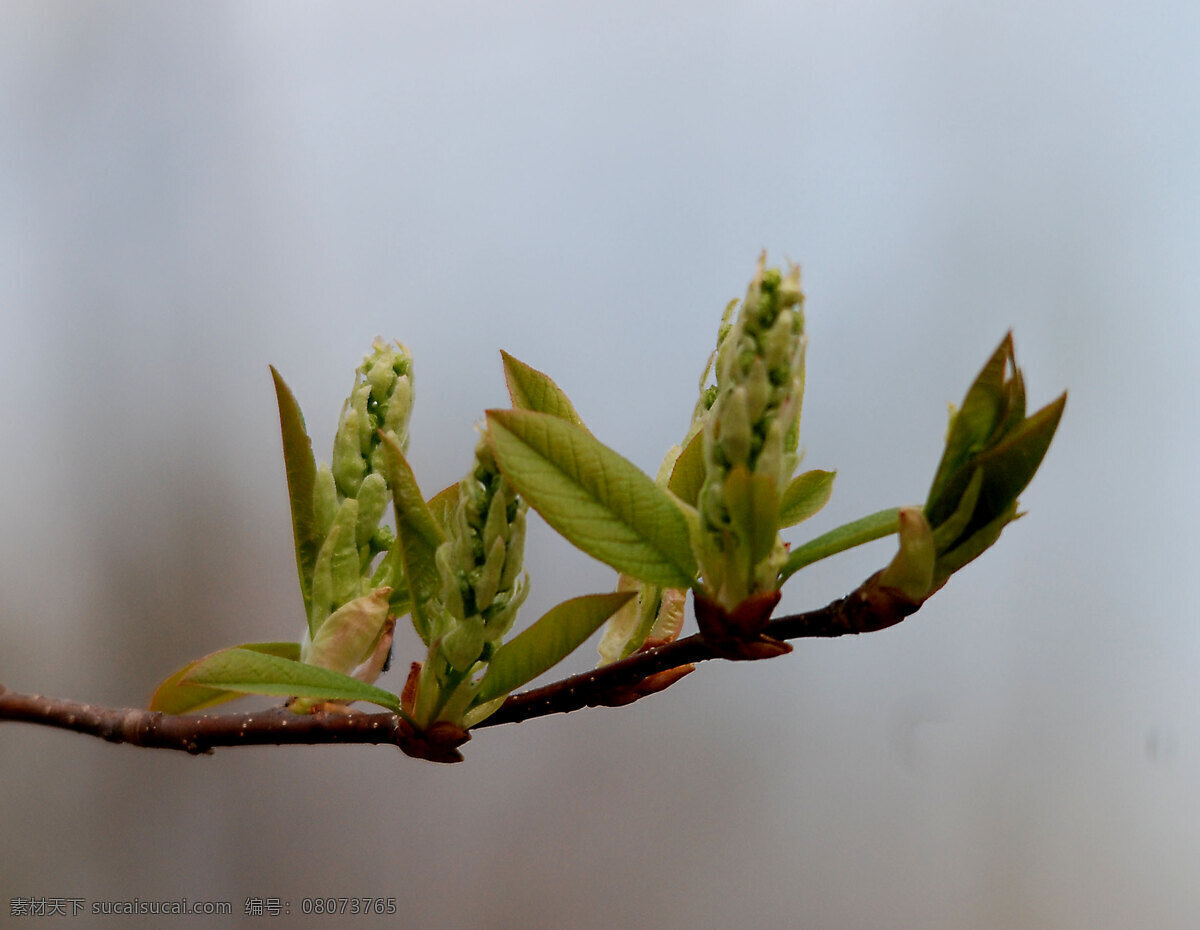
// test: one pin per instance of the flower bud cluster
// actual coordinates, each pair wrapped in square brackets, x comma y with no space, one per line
[752,427]
[349,608]
[482,583]
[480,562]
[382,399]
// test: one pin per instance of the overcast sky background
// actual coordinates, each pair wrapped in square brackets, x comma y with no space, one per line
[191,192]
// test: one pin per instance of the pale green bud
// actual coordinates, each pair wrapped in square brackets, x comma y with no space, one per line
[325,500]
[383,539]
[373,499]
[758,390]
[734,431]
[514,550]
[504,609]
[778,343]
[322,583]
[772,461]
[726,357]
[496,525]
[739,361]
[789,288]
[440,621]
[399,407]
[379,371]
[344,562]
[489,575]
[358,400]
[348,638]
[447,565]
[348,466]
[395,421]
[462,547]
[712,505]
[463,644]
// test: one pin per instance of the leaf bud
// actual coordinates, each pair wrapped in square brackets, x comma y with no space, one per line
[911,569]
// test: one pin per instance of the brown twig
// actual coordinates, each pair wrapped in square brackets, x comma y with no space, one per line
[199,733]
[869,608]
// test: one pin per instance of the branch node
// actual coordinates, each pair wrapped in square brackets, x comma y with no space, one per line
[738,634]
[438,742]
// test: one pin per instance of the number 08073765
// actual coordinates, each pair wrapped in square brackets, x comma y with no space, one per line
[347,905]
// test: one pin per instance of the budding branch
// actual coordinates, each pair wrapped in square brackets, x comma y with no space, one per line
[867,609]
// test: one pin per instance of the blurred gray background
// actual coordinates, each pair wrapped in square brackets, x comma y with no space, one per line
[191,192]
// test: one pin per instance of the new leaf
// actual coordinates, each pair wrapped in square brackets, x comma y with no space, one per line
[596,499]
[558,633]
[175,697]
[804,496]
[301,470]
[258,673]
[418,534]
[531,389]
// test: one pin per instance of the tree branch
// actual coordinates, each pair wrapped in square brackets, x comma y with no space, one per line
[867,609]
[199,733]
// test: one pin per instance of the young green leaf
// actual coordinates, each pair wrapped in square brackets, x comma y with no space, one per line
[805,495]
[531,389]
[856,533]
[595,498]
[301,471]
[258,673]
[953,526]
[558,633]
[1010,464]
[990,401]
[443,504]
[418,534]
[174,697]
[687,475]
[972,546]
[992,451]
[406,494]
